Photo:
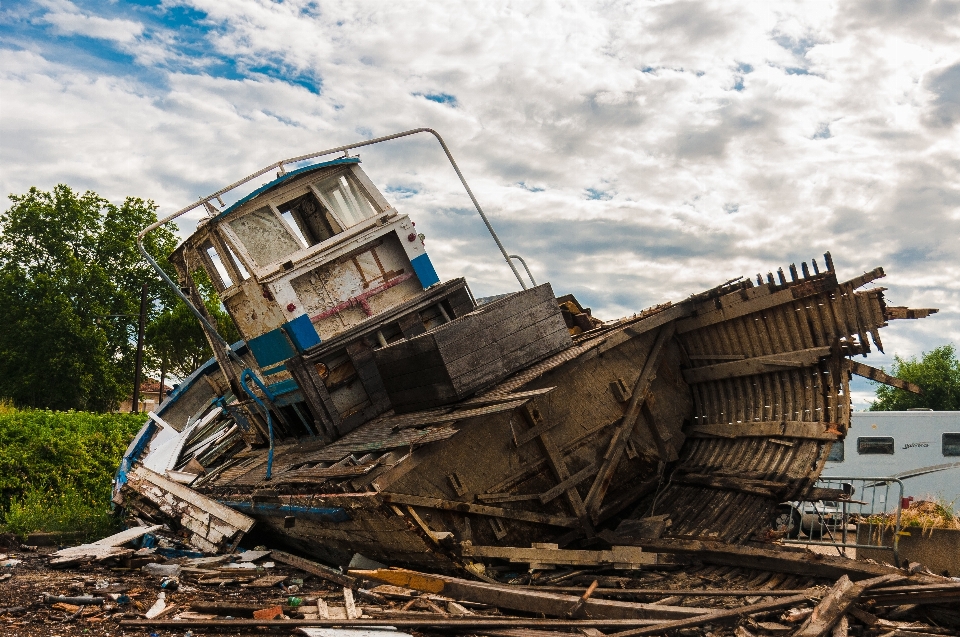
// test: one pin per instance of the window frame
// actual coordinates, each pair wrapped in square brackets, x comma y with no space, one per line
[862,441]
[943,444]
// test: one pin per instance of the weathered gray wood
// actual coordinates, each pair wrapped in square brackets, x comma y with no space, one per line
[801,563]
[785,429]
[756,365]
[715,617]
[473,351]
[835,603]
[523,599]
[479,509]
[601,483]
[880,376]
[309,566]
[569,483]
[412,325]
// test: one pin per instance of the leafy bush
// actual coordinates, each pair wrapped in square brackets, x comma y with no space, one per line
[56,468]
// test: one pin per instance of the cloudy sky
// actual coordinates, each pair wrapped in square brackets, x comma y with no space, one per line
[632,152]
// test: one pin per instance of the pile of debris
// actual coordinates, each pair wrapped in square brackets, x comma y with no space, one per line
[148,578]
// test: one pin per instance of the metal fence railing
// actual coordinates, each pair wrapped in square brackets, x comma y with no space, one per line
[864,515]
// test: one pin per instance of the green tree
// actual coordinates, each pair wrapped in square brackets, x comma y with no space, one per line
[175,340]
[938,375]
[70,277]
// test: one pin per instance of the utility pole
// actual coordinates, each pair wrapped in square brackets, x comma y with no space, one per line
[135,406]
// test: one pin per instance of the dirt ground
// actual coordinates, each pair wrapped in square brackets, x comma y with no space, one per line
[33,578]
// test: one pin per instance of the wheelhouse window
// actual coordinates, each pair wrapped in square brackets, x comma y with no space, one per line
[875,445]
[265,236]
[344,197]
[308,218]
[951,444]
[216,269]
[836,452]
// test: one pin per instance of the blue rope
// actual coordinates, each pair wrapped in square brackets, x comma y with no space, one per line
[243,381]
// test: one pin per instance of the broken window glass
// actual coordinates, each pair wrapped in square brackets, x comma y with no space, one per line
[346,200]
[836,452]
[266,238]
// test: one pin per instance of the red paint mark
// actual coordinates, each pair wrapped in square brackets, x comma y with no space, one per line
[291,307]
[412,236]
[360,300]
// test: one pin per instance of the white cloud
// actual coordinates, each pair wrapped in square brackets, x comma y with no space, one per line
[842,137]
[68,19]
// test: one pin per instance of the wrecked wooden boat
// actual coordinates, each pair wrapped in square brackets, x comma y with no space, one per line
[372,408]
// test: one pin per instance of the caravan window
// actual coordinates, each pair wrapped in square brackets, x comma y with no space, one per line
[951,444]
[878,445]
[836,452]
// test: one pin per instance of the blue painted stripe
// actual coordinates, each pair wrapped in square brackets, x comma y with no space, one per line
[283,387]
[424,270]
[271,348]
[322,514]
[133,453]
[302,332]
[283,178]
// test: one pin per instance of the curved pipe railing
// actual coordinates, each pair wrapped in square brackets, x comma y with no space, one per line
[525,267]
[247,374]
[279,165]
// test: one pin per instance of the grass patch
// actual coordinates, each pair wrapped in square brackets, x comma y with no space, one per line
[56,469]
[925,514]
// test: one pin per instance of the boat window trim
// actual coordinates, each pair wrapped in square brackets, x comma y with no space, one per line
[296,232]
[213,272]
[370,189]
[240,250]
[330,208]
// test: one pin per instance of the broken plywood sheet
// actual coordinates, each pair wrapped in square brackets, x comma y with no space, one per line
[102,549]
[212,527]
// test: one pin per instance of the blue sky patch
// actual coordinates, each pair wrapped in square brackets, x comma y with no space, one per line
[401,192]
[529,188]
[440,98]
[596,194]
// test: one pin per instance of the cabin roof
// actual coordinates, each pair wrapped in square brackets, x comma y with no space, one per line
[283,178]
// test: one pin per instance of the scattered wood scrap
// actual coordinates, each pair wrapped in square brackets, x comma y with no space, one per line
[108,547]
[212,527]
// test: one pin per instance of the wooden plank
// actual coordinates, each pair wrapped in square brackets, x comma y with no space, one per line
[782,561]
[836,602]
[569,483]
[230,516]
[716,617]
[598,490]
[900,312]
[757,304]
[479,509]
[880,376]
[309,566]
[416,420]
[515,598]
[785,429]
[411,325]
[554,458]
[499,398]
[616,556]
[756,365]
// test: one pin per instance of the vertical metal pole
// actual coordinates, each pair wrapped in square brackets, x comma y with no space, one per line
[135,407]
[163,376]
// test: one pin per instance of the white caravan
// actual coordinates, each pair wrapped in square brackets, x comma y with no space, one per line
[921,448]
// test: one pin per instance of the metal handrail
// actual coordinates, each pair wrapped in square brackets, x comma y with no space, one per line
[204,201]
[525,267]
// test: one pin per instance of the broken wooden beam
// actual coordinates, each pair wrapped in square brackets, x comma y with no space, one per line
[784,429]
[522,599]
[780,561]
[756,365]
[309,566]
[102,549]
[900,312]
[479,509]
[476,621]
[836,602]
[880,376]
[716,617]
